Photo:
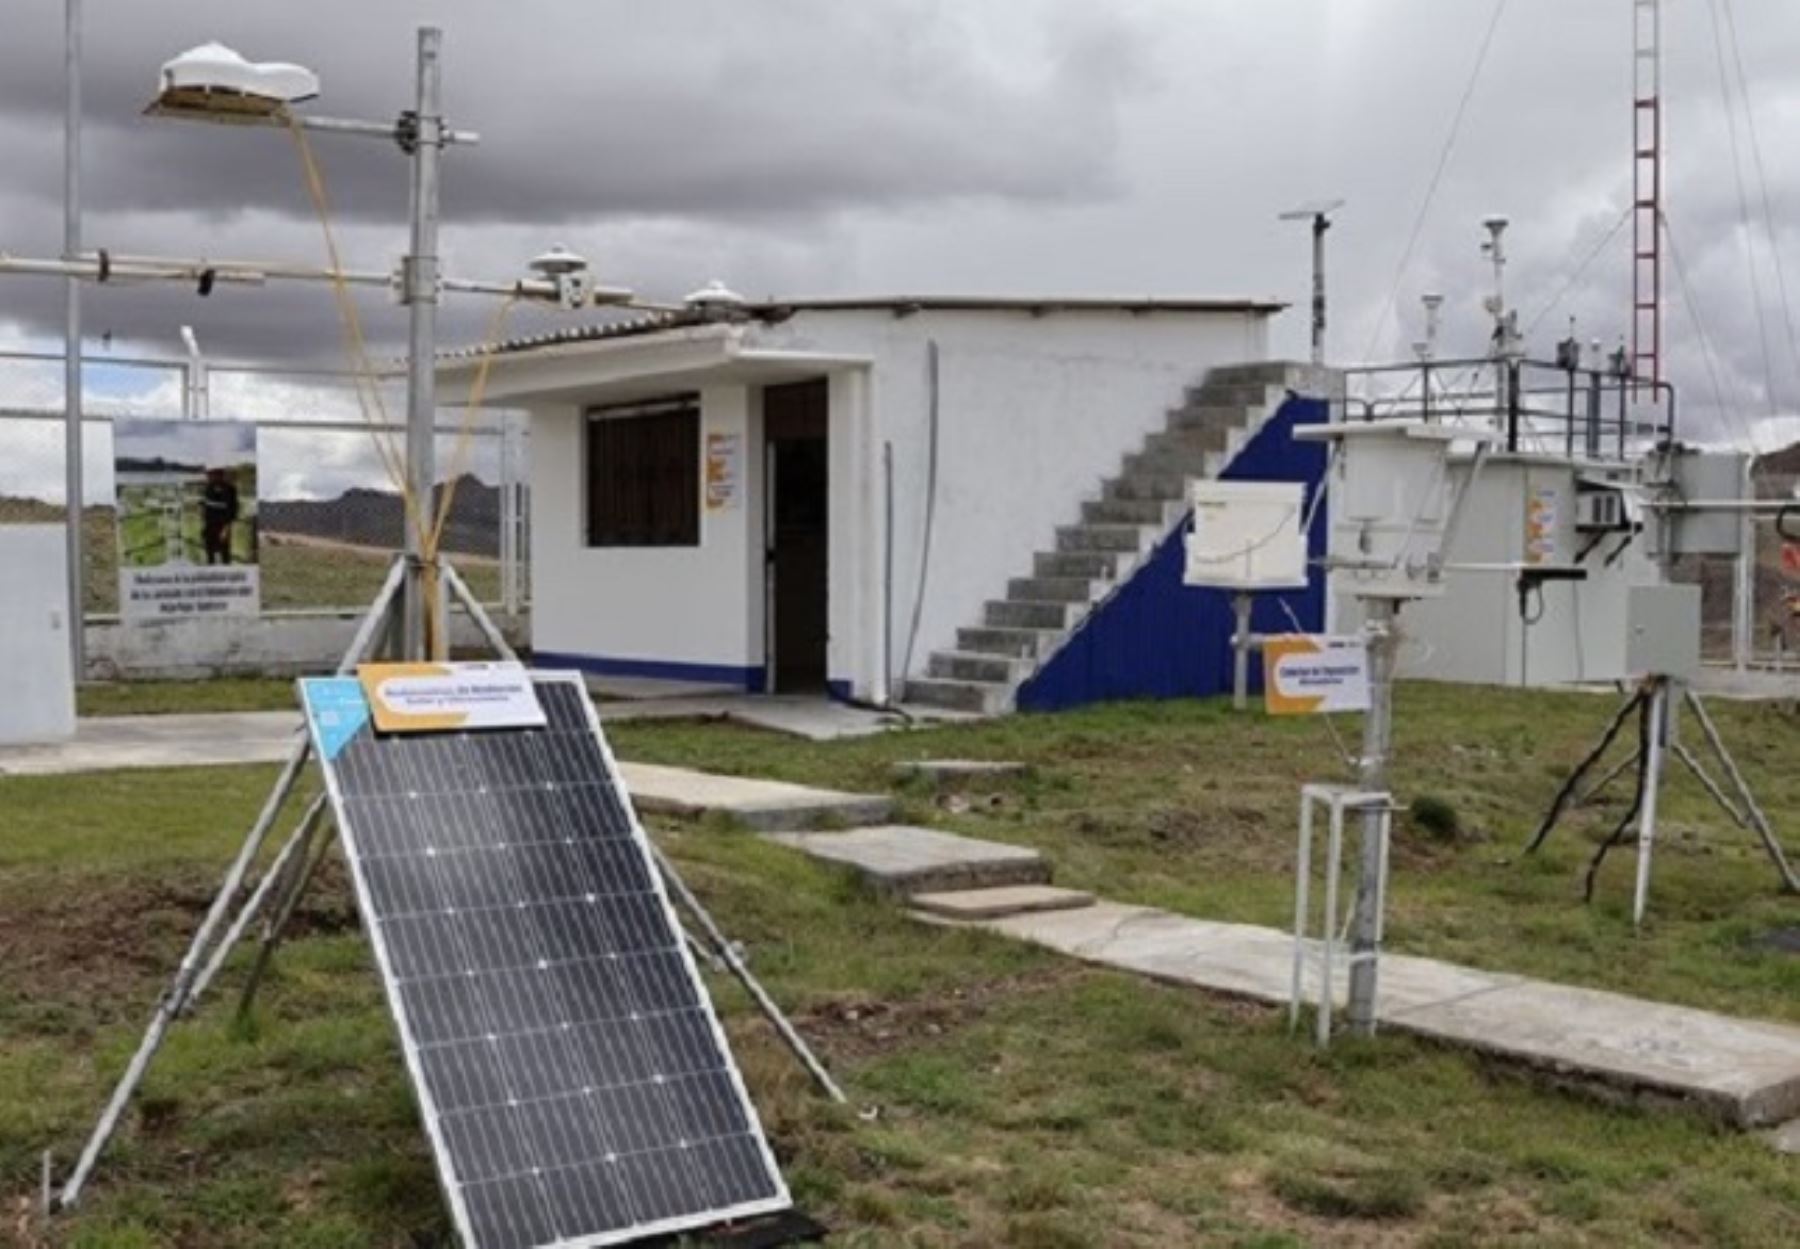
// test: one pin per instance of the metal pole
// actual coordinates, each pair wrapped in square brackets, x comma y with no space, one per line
[72,484]
[1378,732]
[509,503]
[1653,760]
[278,871]
[1240,651]
[1321,224]
[422,636]
[1771,843]
[887,575]
[795,1042]
[176,996]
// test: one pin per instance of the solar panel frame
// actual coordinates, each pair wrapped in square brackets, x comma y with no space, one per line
[434,1116]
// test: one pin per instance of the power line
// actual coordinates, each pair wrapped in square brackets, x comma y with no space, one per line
[1706,347]
[1737,169]
[1580,272]
[1437,176]
[1762,178]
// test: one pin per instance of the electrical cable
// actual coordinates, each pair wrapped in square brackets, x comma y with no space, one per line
[1437,177]
[1743,195]
[933,401]
[368,389]
[1580,272]
[1762,178]
[1706,346]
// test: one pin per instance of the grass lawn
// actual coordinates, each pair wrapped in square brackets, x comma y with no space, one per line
[1024,1100]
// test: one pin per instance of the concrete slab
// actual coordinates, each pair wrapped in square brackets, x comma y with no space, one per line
[952,771]
[1786,1138]
[1745,1072]
[103,743]
[760,805]
[911,861]
[815,719]
[1000,902]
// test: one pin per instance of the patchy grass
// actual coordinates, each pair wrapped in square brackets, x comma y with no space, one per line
[1024,1100]
[138,698]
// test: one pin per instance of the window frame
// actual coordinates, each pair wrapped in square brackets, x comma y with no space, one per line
[658,469]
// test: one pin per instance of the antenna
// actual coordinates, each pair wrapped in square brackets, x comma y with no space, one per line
[1646,192]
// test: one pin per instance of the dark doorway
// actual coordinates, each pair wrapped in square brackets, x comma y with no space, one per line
[794,425]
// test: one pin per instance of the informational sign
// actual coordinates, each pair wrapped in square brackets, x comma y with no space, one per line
[724,469]
[1312,674]
[426,698]
[1542,510]
[185,503]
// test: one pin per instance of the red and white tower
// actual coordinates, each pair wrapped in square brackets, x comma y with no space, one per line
[1646,191]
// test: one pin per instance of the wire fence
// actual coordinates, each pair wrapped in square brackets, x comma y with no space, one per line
[323,519]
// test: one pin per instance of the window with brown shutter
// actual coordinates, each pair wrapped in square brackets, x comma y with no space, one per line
[643,473]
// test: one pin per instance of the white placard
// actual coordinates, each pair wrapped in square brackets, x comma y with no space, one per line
[1313,674]
[424,698]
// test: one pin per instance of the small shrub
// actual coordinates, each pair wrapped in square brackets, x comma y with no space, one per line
[1435,816]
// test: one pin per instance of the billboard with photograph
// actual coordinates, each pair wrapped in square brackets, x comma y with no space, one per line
[186,517]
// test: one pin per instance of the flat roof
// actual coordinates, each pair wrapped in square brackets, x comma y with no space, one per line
[775,311]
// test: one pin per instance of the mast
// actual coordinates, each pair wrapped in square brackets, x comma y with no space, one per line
[1646,192]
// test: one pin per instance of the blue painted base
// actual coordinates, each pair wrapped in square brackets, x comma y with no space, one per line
[1158,638]
[744,678]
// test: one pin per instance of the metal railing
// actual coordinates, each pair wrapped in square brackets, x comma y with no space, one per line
[327,519]
[1529,405]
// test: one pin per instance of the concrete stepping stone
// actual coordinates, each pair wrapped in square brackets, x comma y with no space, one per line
[899,859]
[758,804]
[1000,902]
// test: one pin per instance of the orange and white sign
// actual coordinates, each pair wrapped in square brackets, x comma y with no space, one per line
[1313,674]
[1542,511]
[426,698]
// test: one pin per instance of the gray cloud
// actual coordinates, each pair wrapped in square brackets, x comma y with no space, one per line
[798,146]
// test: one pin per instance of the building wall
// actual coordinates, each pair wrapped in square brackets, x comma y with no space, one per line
[1156,636]
[684,613]
[1033,413]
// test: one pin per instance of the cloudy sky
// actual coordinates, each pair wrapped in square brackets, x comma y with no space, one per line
[797,147]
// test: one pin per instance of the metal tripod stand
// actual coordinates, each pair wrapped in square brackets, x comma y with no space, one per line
[277,895]
[1656,703]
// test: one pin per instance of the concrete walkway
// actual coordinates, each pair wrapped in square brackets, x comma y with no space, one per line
[1745,1072]
[103,743]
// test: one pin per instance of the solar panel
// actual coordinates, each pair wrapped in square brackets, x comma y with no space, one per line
[573,1078]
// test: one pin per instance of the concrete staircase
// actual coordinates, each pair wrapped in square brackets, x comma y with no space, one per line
[1136,509]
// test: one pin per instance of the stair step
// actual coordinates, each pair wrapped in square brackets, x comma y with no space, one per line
[1163,513]
[973,666]
[1021,643]
[1000,902]
[1203,438]
[1166,487]
[1128,538]
[1269,372]
[1194,463]
[1016,615]
[1211,416]
[987,698]
[1225,394]
[1090,565]
[1050,590]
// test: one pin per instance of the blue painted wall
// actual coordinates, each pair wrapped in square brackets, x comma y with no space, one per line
[746,678]
[1157,638]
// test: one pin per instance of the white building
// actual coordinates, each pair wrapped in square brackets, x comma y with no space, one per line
[858,493]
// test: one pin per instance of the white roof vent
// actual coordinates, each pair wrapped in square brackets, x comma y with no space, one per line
[715,297]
